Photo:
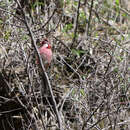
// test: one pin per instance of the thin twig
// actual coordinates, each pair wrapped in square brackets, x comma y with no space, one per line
[11,14]
[85,123]
[46,22]
[64,99]
[31,85]
[71,68]
[76,25]
[53,29]
[62,43]
[105,21]
[90,17]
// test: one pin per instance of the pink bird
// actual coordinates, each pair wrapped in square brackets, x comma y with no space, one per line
[46,52]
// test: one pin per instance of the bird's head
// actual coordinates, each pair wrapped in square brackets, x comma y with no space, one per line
[45,43]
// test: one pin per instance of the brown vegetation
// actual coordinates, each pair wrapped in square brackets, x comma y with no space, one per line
[89,78]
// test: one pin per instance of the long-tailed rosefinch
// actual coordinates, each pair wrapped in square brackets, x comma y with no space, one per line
[46,52]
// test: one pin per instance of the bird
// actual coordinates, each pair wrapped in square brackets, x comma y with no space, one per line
[45,51]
